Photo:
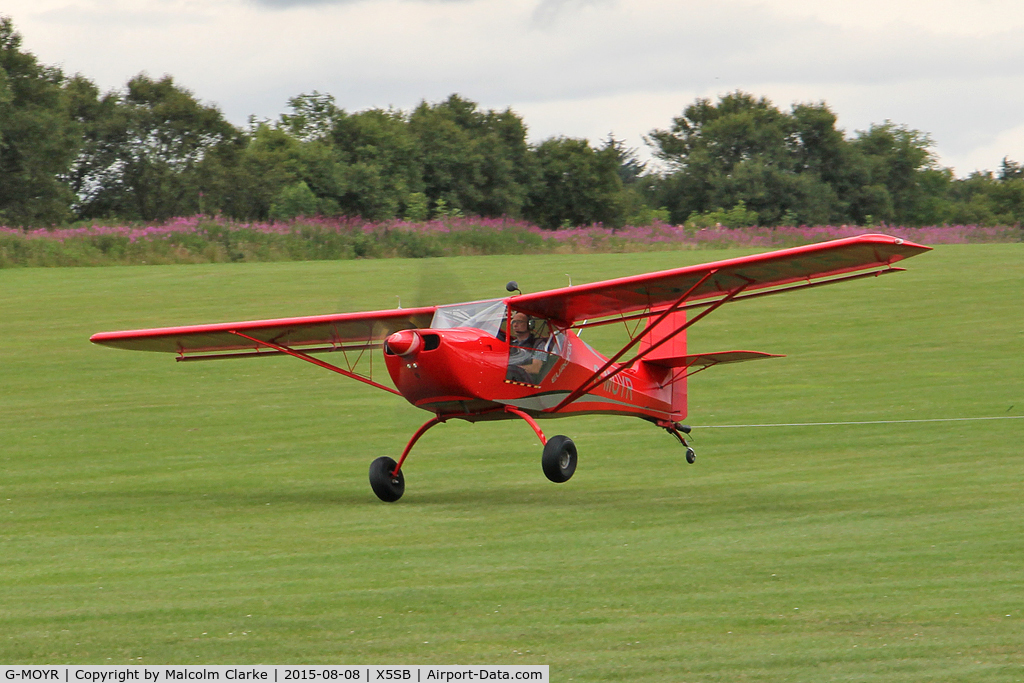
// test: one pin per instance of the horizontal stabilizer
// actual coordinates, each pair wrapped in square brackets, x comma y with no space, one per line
[706,360]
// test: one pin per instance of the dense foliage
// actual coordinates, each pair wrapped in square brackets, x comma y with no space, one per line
[797,168]
[152,151]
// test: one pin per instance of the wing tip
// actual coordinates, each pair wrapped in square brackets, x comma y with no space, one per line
[882,238]
[103,337]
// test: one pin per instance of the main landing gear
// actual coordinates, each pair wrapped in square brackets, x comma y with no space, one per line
[558,460]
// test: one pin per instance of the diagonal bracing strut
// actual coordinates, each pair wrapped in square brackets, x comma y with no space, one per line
[600,376]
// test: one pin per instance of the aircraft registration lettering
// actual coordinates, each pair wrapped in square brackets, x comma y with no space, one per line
[619,384]
[33,674]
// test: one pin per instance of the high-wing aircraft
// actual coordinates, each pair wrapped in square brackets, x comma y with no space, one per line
[521,356]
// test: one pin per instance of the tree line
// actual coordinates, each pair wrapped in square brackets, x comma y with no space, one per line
[151,151]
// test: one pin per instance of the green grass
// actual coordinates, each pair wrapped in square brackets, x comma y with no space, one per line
[159,512]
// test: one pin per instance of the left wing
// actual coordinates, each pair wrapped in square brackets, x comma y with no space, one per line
[797,267]
[330,332]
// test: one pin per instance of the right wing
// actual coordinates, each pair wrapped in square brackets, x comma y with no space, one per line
[771,272]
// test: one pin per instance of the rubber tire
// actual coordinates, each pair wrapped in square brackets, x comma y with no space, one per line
[691,456]
[559,459]
[388,488]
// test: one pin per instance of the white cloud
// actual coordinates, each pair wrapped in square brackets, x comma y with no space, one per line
[988,155]
[548,11]
[969,18]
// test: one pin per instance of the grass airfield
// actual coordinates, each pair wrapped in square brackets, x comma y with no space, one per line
[219,513]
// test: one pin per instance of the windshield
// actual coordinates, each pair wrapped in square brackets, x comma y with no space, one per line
[483,315]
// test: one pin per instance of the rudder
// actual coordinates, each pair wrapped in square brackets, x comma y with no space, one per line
[675,347]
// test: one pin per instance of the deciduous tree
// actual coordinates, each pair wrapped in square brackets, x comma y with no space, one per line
[475,161]
[150,144]
[576,185]
[38,137]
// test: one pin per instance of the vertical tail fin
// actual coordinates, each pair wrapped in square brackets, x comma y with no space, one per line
[673,348]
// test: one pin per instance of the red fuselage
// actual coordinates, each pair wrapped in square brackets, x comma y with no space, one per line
[463,372]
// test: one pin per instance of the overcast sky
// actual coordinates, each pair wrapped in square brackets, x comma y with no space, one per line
[581,68]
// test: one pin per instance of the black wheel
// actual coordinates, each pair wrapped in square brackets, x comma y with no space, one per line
[559,459]
[691,455]
[387,487]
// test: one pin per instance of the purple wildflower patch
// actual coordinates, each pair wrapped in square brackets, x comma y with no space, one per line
[196,239]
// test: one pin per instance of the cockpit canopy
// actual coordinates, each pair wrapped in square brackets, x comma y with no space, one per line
[488,316]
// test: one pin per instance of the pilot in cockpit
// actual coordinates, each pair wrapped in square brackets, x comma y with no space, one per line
[524,360]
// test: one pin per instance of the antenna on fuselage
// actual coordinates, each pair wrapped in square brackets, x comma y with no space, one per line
[513,286]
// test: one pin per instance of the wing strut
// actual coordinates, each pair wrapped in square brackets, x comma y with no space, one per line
[598,375]
[315,361]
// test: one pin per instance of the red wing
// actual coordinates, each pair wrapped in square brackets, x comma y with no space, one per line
[322,330]
[761,271]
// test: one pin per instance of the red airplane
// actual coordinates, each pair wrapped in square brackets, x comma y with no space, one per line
[521,357]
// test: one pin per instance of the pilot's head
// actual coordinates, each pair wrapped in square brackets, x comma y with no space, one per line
[521,325]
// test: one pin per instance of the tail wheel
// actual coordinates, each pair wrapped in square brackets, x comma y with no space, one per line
[388,487]
[559,459]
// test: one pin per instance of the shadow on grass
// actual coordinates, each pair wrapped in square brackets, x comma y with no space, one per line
[542,494]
